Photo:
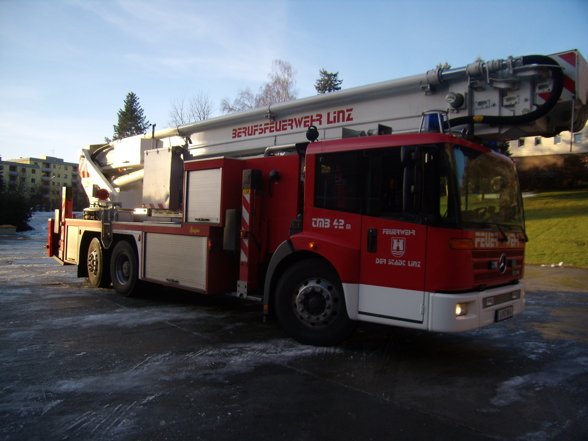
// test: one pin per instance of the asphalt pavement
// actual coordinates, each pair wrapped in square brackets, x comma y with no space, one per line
[77,362]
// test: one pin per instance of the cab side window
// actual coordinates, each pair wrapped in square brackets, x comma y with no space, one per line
[372,182]
[384,183]
[338,182]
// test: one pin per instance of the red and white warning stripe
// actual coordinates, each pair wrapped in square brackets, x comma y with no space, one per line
[83,168]
[246,202]
[568,61]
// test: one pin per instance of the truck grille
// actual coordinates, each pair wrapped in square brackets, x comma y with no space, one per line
[483,272]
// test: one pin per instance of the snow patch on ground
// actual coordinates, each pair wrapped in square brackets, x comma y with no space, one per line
[217,362]
[40,221]
[129,319]
[516,388]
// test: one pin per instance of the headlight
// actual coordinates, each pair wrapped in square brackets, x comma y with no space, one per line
[461,309]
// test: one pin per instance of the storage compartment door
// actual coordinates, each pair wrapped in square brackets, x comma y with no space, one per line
[176,260]
[71,250]
[204,196]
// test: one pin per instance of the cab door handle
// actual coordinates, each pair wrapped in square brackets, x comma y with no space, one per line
[372,240]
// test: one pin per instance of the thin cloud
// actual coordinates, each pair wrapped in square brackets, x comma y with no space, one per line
[20,93]
[231,39]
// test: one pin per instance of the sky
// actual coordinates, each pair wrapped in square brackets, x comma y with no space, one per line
[66,66]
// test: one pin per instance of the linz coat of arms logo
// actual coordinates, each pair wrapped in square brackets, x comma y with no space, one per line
[398,246]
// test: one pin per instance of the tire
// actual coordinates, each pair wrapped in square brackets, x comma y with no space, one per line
[98,263]
[124,269]
[310,304]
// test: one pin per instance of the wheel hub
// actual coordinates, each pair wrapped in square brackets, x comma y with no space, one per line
[316,303]
[93,262]
[126,268]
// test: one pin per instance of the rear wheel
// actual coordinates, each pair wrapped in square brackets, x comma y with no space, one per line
[98,263]
[124,269]
[310,304]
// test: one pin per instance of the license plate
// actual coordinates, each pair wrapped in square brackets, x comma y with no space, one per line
[503,314]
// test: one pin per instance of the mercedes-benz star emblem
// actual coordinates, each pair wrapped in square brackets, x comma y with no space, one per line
[502,264]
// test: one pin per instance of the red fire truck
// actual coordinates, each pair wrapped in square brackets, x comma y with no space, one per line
[384,203]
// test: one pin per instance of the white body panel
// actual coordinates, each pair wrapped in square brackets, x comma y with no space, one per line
[72,243]
[396,307]
[176,260]
[401,304]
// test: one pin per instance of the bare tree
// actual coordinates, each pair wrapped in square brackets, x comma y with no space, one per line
[198,108]
[245,100]
[279,88]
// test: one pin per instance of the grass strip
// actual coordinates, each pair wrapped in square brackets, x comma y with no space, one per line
[557,226]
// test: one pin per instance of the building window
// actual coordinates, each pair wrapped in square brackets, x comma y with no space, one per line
[33,181]
[577,138]
[557,140]
[538,140]
[64,176]
[65,167]
[521,142]
[23,170]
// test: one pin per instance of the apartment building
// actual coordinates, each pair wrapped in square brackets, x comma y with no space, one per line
[565,142]
[43,177]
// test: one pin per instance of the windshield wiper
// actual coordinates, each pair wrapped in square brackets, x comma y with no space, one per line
[485,224]
[504,238]
[524,233]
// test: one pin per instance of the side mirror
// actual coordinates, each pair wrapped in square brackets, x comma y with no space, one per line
[408,155]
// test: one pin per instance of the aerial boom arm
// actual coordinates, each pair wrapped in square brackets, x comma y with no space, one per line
[497,96]
[496,100]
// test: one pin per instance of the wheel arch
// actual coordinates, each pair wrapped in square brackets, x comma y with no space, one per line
[87,237]
[131,238]
[128,237]
[124,281]
[284,257]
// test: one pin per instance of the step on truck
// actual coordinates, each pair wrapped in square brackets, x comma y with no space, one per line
[386,203]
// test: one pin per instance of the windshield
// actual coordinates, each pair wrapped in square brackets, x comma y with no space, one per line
[488,188]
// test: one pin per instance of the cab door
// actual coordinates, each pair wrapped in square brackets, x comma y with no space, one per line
[392,271]
[393,246]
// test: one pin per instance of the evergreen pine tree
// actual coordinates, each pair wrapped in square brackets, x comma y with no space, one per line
[131,120]
[328,82]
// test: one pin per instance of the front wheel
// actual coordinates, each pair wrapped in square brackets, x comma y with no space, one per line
[310,304]
[124,269]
